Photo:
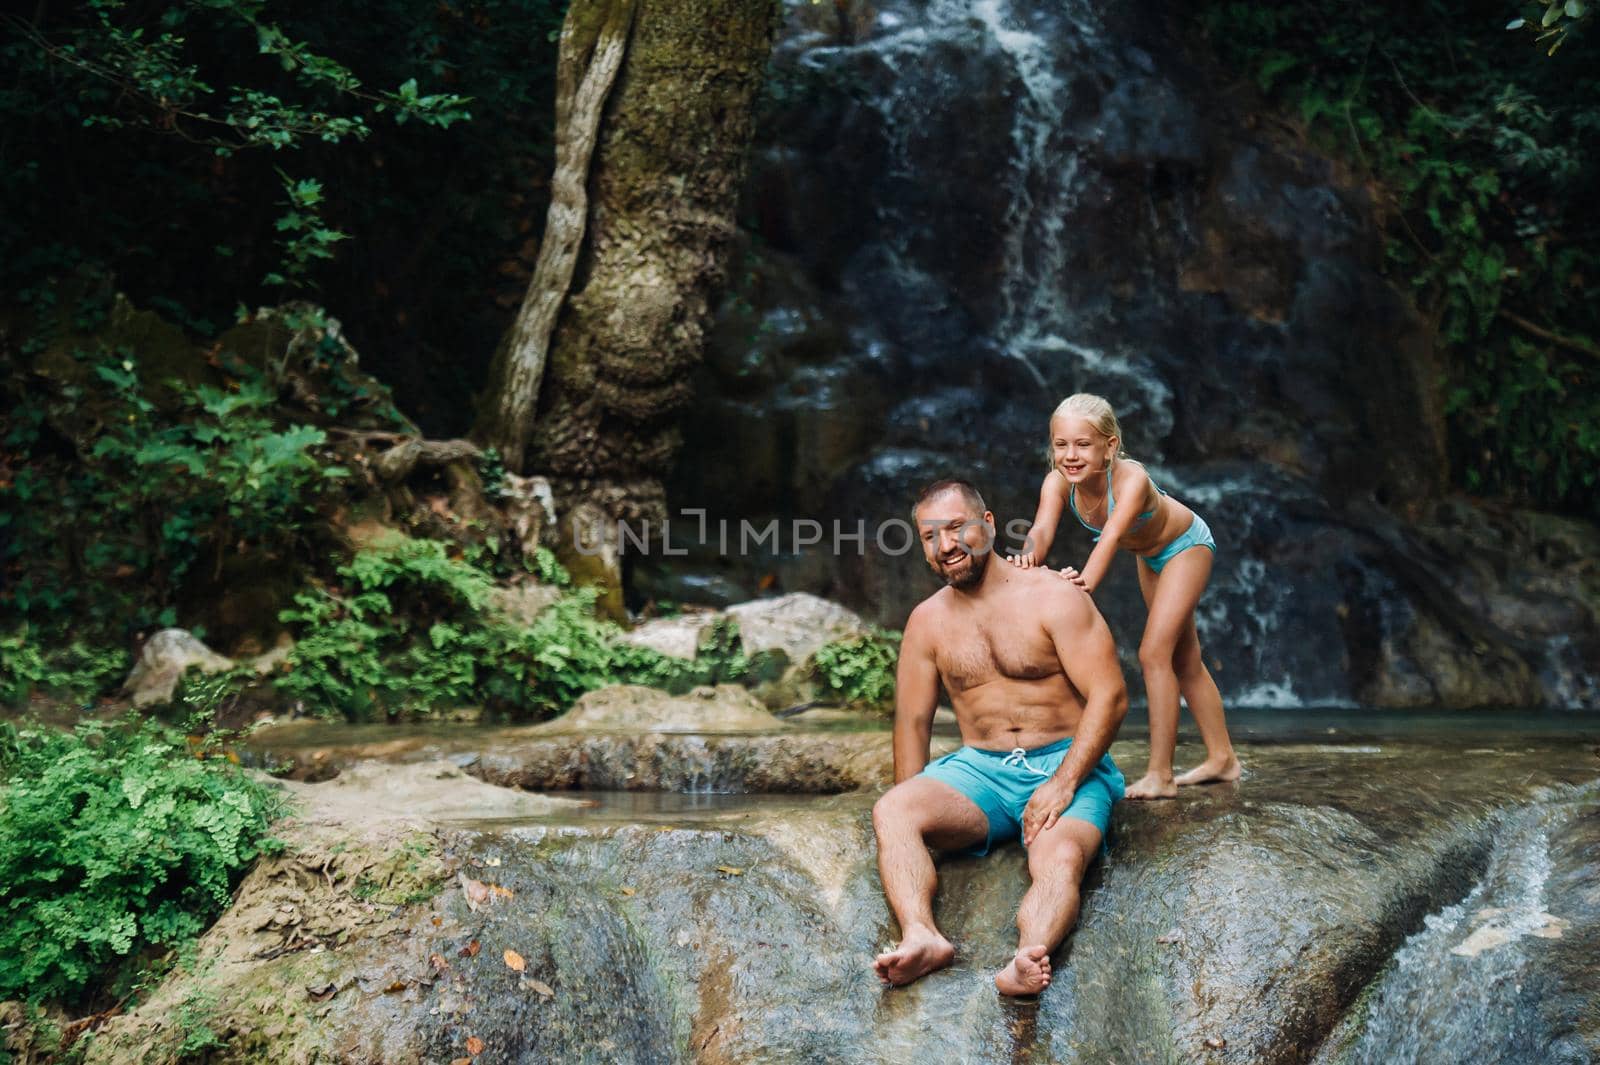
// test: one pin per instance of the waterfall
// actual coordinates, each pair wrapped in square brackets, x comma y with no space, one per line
[965,210]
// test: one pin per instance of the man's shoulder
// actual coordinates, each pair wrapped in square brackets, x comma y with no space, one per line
[929,609]
[1048,592]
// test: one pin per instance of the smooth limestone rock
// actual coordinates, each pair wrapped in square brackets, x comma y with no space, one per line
[634,708]
[1239,923]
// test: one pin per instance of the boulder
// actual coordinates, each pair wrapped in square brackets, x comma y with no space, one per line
[796,624]
[521,604]
[676,637]
[162,662]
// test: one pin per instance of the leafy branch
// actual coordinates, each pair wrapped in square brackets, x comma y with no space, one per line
[150,70]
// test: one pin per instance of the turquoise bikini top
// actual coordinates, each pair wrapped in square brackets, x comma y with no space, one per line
[1111,505]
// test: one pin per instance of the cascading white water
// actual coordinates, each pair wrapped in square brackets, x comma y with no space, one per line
[1468,986]
[1042,176]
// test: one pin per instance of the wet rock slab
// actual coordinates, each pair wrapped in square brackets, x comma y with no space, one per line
[1241,923]
[621,738]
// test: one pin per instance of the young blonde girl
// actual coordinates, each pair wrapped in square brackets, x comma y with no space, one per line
[1114,498]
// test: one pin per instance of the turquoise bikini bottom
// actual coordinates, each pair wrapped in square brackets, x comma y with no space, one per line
[1198,534]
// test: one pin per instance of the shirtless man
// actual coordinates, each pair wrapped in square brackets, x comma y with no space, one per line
[1032,673]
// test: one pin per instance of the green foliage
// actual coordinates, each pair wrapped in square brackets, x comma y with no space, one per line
[207,153]
[163,74]
[860,670]
[114,840]
[549,570]
[1552,21]
[305,238]
[492,469]
[193,1018]
[1484,154]
[76,671]
[154,70]
[410,629]
[164,489]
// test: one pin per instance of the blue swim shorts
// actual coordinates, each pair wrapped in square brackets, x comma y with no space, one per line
[1000,783]
[1198,534]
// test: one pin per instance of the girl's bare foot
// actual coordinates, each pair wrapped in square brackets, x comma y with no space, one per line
[1212,770]
[1151,786]
[919,953]
[1028,973]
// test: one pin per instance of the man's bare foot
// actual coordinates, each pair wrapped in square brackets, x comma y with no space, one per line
[1028,973]
[919,954]
[1151,786]
[1212,770]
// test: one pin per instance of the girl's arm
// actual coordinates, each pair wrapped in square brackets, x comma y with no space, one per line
[1131,484]
[1043,531]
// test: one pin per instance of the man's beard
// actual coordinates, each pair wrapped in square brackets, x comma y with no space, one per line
[969,575]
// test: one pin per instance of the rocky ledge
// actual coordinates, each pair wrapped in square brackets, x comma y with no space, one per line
[421,915]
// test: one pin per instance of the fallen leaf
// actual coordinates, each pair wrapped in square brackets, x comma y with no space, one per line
[628,891]
[474,1045]
[477,891]
[501,892]
[540,986]
[1216,1042]
[438,962]
[514,960]
[460,1061]
[731,870]
[437,921]
[471,949]
[493,863]
[398,985]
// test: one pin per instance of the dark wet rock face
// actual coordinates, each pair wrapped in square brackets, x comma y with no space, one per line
[1299,913]
[961,212]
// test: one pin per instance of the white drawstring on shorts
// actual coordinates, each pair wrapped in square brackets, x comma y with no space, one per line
[1019,757]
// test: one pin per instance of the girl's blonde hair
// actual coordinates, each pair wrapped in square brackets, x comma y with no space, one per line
[1094,410]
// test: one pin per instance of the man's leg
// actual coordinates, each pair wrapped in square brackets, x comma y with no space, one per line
[1057,861]
[910,818]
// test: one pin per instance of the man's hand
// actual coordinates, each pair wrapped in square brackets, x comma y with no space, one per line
[1045,808]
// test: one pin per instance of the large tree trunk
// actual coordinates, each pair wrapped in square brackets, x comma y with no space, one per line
[663,193]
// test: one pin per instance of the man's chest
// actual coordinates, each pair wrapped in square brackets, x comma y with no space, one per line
[978,654]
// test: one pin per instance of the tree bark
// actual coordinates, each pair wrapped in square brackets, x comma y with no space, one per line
[665,187]
[594,39]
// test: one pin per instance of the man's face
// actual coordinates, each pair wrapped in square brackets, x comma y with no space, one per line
[957,539]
